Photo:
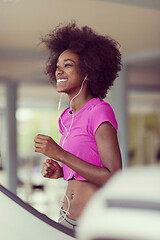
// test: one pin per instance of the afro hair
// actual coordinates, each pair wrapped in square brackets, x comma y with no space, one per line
[99,55]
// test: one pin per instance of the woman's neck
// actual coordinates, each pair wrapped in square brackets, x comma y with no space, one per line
[79,102]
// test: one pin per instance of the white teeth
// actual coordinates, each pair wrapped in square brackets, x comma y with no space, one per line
[61,80]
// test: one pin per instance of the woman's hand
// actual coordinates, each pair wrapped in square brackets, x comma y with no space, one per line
[47,146]
[51,169]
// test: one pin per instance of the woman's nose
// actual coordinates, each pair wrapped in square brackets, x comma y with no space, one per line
[59,70]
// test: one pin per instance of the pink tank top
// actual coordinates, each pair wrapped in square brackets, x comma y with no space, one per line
[80,140]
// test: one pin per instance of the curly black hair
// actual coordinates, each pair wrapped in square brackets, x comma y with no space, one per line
[99,55]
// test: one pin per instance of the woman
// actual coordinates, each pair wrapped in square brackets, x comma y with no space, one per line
[84,65]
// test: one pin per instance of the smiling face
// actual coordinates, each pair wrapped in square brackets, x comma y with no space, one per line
[68,74]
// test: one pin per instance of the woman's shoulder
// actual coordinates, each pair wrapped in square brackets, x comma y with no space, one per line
[101,112]
[65,113]
[99,105]
[63,119]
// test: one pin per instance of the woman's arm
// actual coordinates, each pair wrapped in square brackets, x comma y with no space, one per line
[108,148]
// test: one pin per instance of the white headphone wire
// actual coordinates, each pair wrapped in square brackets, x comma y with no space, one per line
[59,105]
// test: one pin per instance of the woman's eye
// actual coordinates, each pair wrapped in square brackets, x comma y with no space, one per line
[68,65]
